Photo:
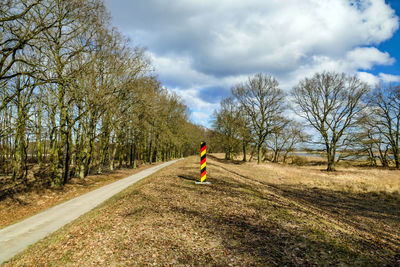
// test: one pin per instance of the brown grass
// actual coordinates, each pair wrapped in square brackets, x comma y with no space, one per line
[25,204]
[267,214]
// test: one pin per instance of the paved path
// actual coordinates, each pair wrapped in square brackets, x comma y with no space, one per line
[17,237]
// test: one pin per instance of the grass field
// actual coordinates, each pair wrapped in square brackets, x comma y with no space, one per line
[269,214]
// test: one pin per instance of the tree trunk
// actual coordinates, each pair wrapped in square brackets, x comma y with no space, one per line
[131,155]
[396,157]
[20,154]
[371,156]
[120,156]
[244,152]
[62,147]
[331,161]
[39,143]
[112,155]
[259,153]
[90,154]
[84,158]
[67,156]
[54,174]
[105,140]
[150,152]
[285,156]
[383,157]
[275,156]
[134,155]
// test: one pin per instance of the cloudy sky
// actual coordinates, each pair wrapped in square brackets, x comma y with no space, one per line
[200,49]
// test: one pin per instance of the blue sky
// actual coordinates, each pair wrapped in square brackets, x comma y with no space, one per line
[392,46]
[200,49]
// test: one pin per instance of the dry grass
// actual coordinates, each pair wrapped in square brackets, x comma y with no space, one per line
[25,204]
[349,176]
[251,215]
[346,177]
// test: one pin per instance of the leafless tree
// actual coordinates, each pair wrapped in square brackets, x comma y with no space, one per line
[263,102]
[384,118]
[284,139]
[244,132]
[330,102]
[75,97]
[227,124]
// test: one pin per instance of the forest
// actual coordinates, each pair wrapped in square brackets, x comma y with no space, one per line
[77,97]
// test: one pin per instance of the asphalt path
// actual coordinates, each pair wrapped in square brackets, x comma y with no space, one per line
[15,238]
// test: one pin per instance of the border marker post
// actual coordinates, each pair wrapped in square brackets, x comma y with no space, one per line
[203,163]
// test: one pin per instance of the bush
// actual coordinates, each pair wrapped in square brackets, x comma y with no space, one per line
[299,160]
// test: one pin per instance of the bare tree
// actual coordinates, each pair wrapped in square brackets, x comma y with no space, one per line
[75,97]
[244,132]
[384,107]
[227,124]
[330,102]
[285,138]
[76,22]
[263,101]
[369,142]
[21,21]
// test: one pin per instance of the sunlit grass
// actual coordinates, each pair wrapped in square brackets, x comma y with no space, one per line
[268,214]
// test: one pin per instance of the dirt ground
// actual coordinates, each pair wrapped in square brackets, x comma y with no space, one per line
[23,205]
[268,214]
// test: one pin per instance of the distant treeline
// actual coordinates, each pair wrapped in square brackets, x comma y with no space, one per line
[76,98]
[347,114]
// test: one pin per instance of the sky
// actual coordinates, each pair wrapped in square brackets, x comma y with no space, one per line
[201,49]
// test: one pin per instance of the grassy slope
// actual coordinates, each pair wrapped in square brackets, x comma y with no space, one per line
[250,215]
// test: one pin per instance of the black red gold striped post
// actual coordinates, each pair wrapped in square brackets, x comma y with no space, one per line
[203,163]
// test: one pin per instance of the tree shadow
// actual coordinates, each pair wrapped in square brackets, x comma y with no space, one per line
[373,215]
[226,161]
[265,229]
[269,243]
[237,174]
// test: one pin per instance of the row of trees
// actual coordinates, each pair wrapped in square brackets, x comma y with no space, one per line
[75,97]
[342,110]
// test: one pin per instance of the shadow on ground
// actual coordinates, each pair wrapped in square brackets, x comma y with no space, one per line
[368,223]
[225,161]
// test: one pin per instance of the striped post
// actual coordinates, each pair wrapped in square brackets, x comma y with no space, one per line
[203,161]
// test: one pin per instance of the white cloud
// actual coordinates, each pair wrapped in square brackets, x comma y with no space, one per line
[215,44]
[354,60]
[178,69]
[381,78]
[366,57]
[389,78]
[201,111]
[232,37]
[193,97]
[368,78]
[202,117]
